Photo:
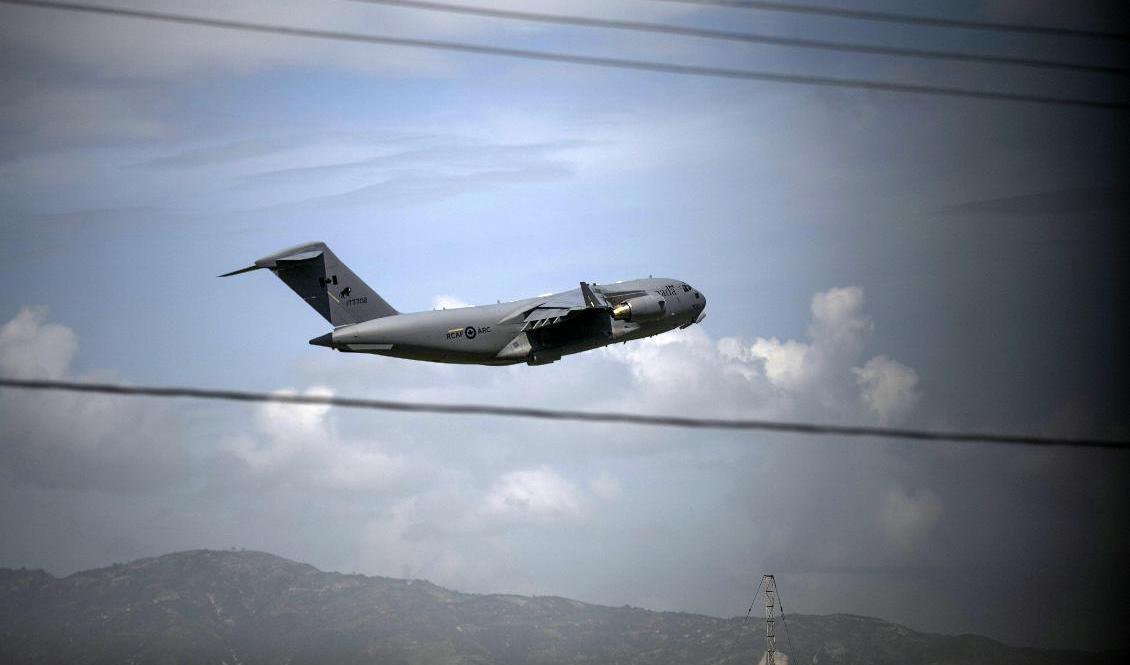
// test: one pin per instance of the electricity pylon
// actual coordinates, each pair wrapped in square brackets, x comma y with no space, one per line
[771,604]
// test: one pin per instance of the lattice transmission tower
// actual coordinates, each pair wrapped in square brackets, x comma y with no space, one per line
[769,583]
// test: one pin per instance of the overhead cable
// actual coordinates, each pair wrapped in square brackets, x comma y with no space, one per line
[734,640]
[745,37]
[785,621]
[910,19]
[564,414]
[572,58]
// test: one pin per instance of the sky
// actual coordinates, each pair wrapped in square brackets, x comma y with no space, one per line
[869,258]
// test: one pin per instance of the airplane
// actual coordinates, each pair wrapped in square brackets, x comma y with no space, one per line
[536,331]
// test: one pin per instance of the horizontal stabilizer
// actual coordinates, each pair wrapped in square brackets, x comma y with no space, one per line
[324,340]
[284,258]
[240,271]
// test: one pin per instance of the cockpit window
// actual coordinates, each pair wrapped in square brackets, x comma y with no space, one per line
[686,288]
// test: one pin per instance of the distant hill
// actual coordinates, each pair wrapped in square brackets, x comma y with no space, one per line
[251,607]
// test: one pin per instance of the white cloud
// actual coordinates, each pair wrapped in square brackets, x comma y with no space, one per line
[887,387]
[30,348]
[468,507]
[906,520]
[836,318]
[448,302]
[770,377]
[670,366]
[73,440]
[461,533]
[298,445]
[784,362]
[536,495]
[405,540]
[426,510]
[295,422]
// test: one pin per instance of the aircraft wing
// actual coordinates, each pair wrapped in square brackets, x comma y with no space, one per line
[539,317]
[563,306]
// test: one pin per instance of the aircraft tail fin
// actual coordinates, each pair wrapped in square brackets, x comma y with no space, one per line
[315,273]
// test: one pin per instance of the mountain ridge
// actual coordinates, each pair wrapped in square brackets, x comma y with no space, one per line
[222,606]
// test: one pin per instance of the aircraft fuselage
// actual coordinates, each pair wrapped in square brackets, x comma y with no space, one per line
[499,335]
[533,330]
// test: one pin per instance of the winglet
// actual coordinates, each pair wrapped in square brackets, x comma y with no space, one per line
[241,270]
[590,298]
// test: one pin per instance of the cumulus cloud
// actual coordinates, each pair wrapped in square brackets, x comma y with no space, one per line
[298,445]
[448,302]
[783,362]
[461,532]
[31,348]
[815,369]
[531,495]
[887,387]
[540,497]
[472,510]
[770,377]
[404,539]
[907,519]
[79,441]
[839,328]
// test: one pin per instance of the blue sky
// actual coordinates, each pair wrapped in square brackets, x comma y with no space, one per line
[869,258]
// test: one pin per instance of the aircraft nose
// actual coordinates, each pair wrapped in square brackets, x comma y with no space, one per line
[700,306]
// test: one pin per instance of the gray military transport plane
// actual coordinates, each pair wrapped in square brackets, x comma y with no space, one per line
[535,330]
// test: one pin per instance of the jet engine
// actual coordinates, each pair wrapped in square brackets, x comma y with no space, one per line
[640,309]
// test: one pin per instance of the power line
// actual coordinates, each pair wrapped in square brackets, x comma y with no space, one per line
[754,601]
[738,635]
[785,622]
[564,414]
[745,37]
[909,19]
[550,56]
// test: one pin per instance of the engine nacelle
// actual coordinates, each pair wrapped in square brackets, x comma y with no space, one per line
[640,309]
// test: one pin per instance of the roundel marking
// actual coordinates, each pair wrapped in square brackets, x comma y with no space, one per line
[469,331]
